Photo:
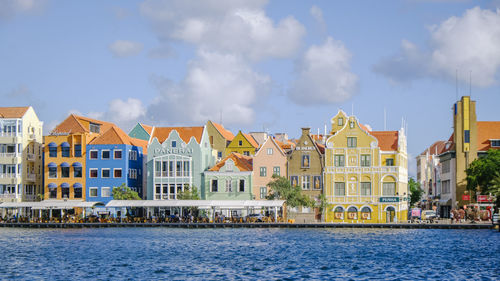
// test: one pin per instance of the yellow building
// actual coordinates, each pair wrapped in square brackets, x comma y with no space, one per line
[243,144]
[366,173]
[65,153]
[20,154]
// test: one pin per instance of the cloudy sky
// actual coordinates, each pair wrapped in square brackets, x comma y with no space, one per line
[256,65]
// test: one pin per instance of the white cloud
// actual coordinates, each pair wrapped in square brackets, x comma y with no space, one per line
[230,26]
[467,43]
[214,82]
[124,113]
[317,14]
[11,8]
[124,48]
[324,75]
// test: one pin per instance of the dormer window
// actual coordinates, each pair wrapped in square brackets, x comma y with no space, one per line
[340,121]
[240,143]
[94,128]
[174,144]
[351,124]
[495,143]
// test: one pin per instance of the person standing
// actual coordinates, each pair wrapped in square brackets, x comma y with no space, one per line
[452,214]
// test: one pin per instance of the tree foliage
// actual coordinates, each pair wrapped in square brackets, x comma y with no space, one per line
[482,172]
[281,189]
[415,191]
[494,187]
[189,194]
[123,192]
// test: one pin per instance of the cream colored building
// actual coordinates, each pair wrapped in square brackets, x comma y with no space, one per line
[21,139]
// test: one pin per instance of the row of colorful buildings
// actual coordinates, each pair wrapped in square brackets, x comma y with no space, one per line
[441,167]
[362,173]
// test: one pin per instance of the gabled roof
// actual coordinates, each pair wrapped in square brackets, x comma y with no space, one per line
[80,124]
[321,147]
[251,140]
[115,135]
[162,133]
[223,131]
[435,148]
[486,131]
[387,140]
[244,163]
[285,146]
[13,112]
[277,144]
[147,128]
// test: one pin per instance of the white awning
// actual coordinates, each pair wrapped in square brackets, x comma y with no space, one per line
[51,204]
[202,204]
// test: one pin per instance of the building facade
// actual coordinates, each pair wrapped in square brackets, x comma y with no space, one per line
[230,179]
[177,158]
[243,144]
[429,174]
[305,169]
[219,137]
[114,159]
[65,153]
[269,160]
[21,174]
[366,173]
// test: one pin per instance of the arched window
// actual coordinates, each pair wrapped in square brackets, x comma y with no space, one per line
[366,213]
[352,213]
[339,213]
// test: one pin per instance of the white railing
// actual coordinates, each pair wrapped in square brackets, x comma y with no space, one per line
[8,176]
[31,177]
[8,196]
[10,134]
[360,199]
[29,197]
[9,155]
[392,169]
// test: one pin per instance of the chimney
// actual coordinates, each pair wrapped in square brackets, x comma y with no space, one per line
[306,131]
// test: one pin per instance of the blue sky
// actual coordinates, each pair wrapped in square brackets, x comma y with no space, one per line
[273,65]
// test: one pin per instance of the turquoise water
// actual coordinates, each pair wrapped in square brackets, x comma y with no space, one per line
[234,254]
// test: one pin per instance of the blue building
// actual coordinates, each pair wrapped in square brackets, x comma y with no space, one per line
[113,159]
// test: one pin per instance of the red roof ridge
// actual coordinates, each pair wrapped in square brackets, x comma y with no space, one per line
[228,135]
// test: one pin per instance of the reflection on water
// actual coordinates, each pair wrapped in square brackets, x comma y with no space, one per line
[164,253]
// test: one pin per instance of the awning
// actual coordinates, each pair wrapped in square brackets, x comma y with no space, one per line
[52,204]
[77,165]
[65,185]
[64,165]
[65,144]
[52,165]
[52,144]
[52,185]
[77,185]
[202,204]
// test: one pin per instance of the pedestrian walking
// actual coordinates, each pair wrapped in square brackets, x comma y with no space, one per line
[452,213]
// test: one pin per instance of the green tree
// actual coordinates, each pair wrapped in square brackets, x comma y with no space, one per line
[322,204]
[189,194]
[415,191]
[483,172]
[281,189]
[123,192]
[494,187]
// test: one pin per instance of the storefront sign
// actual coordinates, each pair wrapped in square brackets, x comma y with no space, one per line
[389,199]
[483,198]
[174,151]
[465,197]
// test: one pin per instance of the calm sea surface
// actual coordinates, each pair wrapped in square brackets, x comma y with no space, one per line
[286,254]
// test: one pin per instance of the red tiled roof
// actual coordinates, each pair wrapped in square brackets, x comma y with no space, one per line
[148,128]
[162,133]
[251,140]
[435,148]
[115,135]
[223,131]
[387,140]
[244,163]
[320,147]
[80,124]
[486,131]
[13,112]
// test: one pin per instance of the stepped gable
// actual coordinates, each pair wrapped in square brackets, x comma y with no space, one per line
[13,112]
[387,140]
[251,140]
[486,131]
[115,135]
[244,163]
[162,133]
[223,131]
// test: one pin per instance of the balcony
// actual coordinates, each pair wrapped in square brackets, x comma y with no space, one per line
[8,197]
[9,155]
[31,157]
[31,177]
[8,176]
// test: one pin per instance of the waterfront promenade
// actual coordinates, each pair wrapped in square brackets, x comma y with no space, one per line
[254,225]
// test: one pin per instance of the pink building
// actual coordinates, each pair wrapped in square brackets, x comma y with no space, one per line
[270,159]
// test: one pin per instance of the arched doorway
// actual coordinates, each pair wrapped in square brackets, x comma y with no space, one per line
[366,213]
[390,214]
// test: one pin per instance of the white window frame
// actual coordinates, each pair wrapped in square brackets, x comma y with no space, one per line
[96,192]
[270,151]
[90,173]
[115,169]
[102,173]
[102,154]
[306,182]
[108,190]
[90,154]
[115,150]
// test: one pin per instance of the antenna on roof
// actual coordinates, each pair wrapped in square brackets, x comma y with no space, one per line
[352,109]
[385,120]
